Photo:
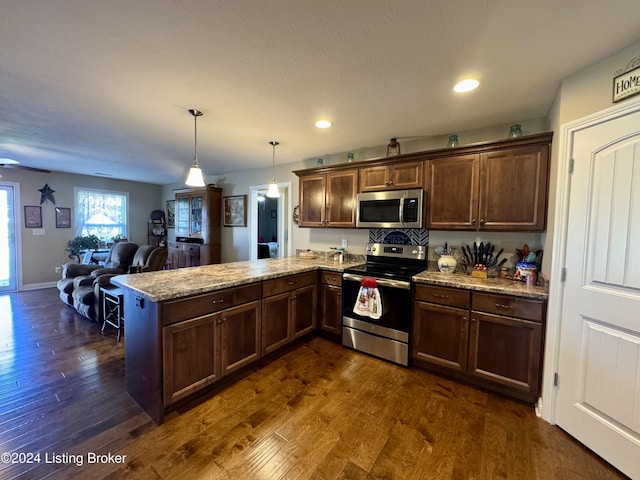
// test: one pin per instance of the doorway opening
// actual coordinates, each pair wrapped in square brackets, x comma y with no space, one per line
[270,222]
[8,237]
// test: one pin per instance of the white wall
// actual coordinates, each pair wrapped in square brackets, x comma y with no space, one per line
[582,93]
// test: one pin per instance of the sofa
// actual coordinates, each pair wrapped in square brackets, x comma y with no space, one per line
[87,296]
[76,274]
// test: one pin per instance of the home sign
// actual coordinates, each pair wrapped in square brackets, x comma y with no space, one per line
[627,84]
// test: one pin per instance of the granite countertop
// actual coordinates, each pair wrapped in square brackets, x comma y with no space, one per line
[490,285]
[183,282]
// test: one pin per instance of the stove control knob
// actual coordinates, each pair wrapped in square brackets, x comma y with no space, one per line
[415,252]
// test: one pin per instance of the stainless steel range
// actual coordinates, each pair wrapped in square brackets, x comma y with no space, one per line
[391,268]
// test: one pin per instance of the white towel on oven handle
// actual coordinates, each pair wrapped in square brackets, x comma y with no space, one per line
[368,303]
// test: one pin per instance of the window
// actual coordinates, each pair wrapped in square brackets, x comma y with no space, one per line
[102,213]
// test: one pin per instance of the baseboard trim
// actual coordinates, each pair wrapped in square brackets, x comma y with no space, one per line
[38,286]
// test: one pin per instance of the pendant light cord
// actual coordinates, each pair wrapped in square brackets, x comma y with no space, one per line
[273,167]
[196,114]
[195,139]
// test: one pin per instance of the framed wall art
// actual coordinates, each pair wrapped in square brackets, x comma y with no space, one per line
[32,217]
[63,217]
[235,211]
[171,214]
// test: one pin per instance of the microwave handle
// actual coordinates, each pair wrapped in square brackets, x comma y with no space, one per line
[402,209]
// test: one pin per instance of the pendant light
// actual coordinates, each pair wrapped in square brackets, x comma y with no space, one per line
[195,179]
[273,187]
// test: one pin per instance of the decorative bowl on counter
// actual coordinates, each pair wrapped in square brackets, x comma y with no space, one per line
[308,255]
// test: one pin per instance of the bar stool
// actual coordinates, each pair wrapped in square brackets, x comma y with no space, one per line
[113,308]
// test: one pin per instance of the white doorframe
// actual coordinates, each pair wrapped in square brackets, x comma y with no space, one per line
[559,250]
[285,223]
[17,219]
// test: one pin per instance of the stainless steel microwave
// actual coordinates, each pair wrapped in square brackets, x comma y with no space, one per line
[390,209]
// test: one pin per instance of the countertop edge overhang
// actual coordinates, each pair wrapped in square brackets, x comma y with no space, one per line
[185,282]
[488,285]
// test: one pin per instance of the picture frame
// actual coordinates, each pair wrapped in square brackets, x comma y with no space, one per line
[63,217]
[171,214]
[32,216]
[235,211]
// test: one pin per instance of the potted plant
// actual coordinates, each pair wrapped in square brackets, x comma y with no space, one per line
[86,242]
[118,238]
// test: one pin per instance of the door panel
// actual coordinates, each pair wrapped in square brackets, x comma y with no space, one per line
[598,395]
[8,265]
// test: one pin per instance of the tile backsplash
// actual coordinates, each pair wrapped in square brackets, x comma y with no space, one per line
[406,236]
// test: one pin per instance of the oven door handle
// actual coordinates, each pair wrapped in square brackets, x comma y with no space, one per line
[383,282]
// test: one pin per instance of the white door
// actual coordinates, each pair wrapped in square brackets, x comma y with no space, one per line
[8,254]
[598,393]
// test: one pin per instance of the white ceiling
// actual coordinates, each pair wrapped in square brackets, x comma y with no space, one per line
[104,86]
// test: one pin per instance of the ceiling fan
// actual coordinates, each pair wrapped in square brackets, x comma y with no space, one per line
[9,163]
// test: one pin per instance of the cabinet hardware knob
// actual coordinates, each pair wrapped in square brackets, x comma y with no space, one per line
[482,222]
[218,301]
[437,295]
[291,283]
[503,306]
[390,182]
[474,320]
[219,322]
[473,221]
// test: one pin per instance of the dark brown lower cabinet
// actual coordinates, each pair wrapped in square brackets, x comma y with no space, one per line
[331,302]
[506,350]
[276,321]
[440,335]
[240,336]
[491,340]
[205,337]
[288,309]
[190,351]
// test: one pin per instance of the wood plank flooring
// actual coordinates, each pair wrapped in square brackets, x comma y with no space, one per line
[318,412]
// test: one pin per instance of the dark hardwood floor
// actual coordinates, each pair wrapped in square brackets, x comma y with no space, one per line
[318,412]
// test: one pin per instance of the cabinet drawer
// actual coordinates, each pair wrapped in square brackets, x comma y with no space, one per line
[451,297]
[519,307]
[332,278]
[196,306]
[191,249]
[286,284]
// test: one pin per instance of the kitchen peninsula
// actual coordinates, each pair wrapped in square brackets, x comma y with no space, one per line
[187,329]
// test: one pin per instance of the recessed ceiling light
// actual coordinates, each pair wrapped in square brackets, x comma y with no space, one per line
[466,85]
[323,124]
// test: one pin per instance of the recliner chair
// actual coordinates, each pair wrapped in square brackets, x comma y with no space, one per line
[76,274]
[87,297]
